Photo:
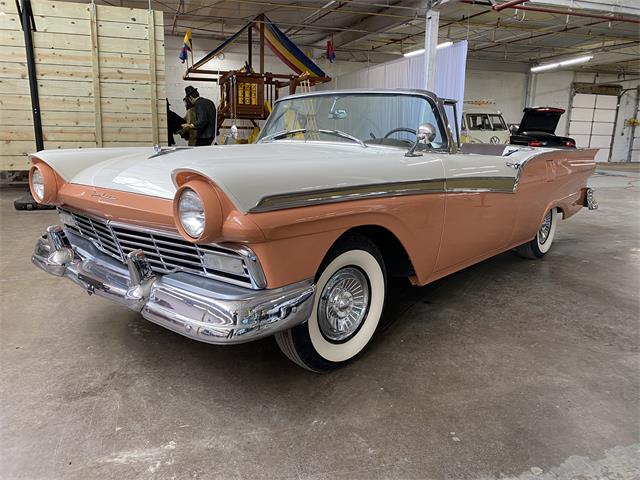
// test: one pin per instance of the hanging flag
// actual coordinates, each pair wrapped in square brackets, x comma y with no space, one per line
[186,46]
[331,53]
[247,68]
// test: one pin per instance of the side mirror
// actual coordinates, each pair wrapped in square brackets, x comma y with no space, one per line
[426,133]
[338,114]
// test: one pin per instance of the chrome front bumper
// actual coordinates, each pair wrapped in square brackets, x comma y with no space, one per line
[199,308]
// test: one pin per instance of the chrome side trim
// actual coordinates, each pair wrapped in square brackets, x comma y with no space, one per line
[345,194]
[381,190]
[483,184]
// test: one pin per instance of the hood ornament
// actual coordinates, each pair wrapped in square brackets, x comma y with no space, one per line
[163,151]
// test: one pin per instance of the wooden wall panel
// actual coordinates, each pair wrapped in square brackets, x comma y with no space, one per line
[129,89]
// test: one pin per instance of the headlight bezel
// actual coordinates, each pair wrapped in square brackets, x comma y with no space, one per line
[211,207]
[48,192]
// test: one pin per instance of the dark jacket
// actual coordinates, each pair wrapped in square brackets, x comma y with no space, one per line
[174,123]
[205,122]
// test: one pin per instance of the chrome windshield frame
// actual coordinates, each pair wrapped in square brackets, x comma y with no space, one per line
[434,101]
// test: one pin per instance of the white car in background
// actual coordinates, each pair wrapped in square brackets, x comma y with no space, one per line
[483,123]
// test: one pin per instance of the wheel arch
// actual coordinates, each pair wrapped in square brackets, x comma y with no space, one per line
[398,263]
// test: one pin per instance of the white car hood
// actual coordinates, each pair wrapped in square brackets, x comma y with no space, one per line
[248,173]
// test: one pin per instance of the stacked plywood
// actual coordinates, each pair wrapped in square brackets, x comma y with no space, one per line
[100,74]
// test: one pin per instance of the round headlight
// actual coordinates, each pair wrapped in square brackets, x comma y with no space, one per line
[44,184]
[37,184]
[197,210]
[191,213]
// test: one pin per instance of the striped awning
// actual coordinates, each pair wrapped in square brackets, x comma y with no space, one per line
[278,43]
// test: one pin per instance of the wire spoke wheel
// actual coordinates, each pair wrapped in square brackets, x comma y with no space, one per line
[543,240]
[351,289]
[343,304]
[545,228]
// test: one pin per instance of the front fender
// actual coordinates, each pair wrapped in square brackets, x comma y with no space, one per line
[298,239]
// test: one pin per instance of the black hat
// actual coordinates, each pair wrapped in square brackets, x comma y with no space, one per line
[189,91]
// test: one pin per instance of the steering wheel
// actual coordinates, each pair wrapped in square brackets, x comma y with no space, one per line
[401,129]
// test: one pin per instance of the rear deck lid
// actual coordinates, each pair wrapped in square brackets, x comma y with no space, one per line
[540,119]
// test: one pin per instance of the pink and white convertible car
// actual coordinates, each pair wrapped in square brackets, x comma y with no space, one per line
[296,235]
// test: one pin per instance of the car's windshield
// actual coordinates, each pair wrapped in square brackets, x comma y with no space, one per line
[372,118]
[498,122]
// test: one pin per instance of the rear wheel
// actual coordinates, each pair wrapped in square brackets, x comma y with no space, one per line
[541,244]
[350,294]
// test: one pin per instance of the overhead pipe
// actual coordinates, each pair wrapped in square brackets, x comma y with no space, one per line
[577,14]
[512,3]
[511,41]
[609,18]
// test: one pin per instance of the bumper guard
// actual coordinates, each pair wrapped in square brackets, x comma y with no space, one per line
[590,199]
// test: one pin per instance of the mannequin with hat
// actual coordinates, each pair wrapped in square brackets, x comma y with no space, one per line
[205,122]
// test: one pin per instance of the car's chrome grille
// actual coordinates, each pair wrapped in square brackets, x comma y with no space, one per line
[165,252]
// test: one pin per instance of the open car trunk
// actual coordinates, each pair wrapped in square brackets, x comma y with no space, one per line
[540,119]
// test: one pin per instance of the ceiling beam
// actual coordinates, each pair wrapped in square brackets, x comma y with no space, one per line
[378,23]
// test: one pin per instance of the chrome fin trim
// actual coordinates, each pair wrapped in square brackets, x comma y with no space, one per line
[381,190]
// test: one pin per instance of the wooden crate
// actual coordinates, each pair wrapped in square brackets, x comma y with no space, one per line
[100,73]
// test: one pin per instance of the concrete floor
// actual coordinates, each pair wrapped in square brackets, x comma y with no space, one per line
[509,369]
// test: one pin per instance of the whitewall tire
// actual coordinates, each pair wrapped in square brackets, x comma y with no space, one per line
[350,296]
[541,244]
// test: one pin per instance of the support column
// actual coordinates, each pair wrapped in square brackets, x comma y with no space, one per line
[250,47]
[153,85]
[262,44]
[632,130]
[95,65]
[430,44]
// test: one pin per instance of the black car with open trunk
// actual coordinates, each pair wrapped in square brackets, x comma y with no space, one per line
[537,129]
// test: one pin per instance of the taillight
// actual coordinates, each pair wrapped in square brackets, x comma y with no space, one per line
[535,143]
[569,143]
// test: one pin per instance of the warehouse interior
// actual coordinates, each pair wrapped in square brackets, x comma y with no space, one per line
[509,368]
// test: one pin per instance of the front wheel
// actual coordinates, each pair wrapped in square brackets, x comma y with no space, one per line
[350,294]
[540,245]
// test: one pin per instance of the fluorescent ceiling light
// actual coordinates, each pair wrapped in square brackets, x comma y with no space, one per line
[438,47]
[414,53]
[444,45]
[564,63]
[576,60]
[542,68]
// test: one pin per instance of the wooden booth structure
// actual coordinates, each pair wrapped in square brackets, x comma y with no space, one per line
[246,94]
[99,73]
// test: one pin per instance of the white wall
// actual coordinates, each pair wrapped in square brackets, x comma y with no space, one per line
[506,88]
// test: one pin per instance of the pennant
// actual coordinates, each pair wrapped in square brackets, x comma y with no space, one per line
[186,46]
[331,53]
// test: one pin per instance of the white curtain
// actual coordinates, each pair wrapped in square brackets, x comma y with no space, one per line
[409,72]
